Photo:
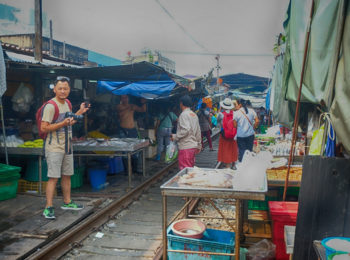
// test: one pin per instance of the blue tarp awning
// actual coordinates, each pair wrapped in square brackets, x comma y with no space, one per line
[145,89]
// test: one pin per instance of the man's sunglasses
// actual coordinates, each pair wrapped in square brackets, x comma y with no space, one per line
[62,78]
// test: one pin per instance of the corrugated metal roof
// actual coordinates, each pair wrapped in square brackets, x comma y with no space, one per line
[17,57]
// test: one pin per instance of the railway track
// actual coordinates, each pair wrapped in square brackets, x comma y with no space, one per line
[71,238]
[129,227]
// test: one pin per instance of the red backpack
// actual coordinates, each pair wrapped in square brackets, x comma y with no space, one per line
[39,115]
[228,130]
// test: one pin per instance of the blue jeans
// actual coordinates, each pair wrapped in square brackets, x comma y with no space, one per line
[163,139]
[244,143]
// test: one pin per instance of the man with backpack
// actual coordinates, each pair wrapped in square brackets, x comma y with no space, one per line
[56,128]
[228,149]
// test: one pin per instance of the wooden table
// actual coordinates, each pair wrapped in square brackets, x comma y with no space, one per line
[209,193]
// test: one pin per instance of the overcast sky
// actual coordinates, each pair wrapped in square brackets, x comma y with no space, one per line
[186,27]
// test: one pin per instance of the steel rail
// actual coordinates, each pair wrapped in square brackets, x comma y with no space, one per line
[65,241]
[59,244]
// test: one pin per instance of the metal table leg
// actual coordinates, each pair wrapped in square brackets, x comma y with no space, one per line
[40,173]
[129,169]
[238,227]
[143,163]
[165,220]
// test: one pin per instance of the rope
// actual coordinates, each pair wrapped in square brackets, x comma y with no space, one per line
[326,117]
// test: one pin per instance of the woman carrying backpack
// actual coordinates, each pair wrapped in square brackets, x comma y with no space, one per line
[228,149]
[247,122]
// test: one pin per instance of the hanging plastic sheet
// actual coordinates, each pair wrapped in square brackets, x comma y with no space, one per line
[283,110]
[331,142]
[340,108]
[322,52]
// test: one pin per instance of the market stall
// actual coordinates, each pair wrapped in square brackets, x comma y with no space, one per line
[125,147]
[210,184]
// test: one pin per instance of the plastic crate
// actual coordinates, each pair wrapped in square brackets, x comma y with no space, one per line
[77,177]
[9,176]
[261,205]
[257,205]
[32,171]
[32,186]
[6,170]
[212,241]
[8,189]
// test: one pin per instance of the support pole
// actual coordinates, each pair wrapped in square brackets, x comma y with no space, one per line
[38,54]
[3,131]
[296,118]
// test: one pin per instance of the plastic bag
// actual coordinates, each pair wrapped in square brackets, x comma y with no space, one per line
[171,152]
[251,172]
[22,99]
[316,142]
[262,250]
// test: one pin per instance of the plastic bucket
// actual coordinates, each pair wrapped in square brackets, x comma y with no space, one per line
[97,177]
[115,165]
[330,251]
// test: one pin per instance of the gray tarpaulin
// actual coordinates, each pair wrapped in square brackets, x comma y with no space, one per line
[340,109]
[281,107]
[322,52]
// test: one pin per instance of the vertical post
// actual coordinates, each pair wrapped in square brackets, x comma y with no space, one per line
[38,55]
[143,162]
[165,220]
[186,208]
[4,131]
[238,228]
[51,39]
[217,57]
[85,82]
[64,50]
[296,118]
[129,169]
[40,173]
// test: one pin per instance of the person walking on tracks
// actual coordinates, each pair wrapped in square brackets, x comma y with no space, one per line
[164,127]
[205,125]
[247,122]
[188,134]
[56,122]
[228,149]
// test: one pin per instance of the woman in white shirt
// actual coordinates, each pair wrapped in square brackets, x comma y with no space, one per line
[247,121]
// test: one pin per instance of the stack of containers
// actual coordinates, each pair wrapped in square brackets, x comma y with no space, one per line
[9,176]
[282,213]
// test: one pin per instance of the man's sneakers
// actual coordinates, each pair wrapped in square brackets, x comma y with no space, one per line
[71,206]
[49,213]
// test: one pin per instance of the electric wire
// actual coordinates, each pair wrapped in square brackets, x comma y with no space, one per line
[180,26]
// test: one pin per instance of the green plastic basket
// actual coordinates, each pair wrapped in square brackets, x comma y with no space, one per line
[8,186]
[32,171]
[8,169]
[261,205]
[257,205]
[77,177]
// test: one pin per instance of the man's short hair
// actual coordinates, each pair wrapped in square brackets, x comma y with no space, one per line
[186,101]
[203,105]
[62,79]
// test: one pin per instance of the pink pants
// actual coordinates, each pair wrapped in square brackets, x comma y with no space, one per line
[187,158]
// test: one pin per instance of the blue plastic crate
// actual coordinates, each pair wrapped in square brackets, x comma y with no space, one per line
[212,241]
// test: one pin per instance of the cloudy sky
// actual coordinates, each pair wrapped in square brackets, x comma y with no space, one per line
[190,32]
